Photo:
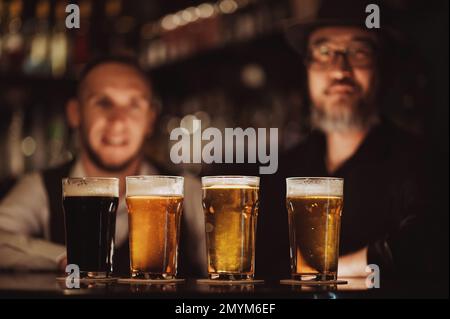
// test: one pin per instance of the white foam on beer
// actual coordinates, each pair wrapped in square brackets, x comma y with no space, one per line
[91,187]
[230,181]
[155,186]
[314,187]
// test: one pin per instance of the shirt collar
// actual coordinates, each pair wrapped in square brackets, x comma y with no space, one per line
[145,169]
[372,149]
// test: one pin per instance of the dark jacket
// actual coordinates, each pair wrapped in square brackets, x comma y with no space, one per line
[385,202]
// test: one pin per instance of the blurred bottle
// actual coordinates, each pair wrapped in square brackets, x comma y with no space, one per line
[13,44]
[14,139]
[113,9]
[33,142]
[124,36]
[262,18]
[152,47]
[5,121]
[81,45]
[280,13]
[56,134]
[2,26]
[14,156]
[59,46]
[245,27]
[228,9]
[38,55]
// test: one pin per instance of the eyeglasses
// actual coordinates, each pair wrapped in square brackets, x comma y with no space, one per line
[324,55]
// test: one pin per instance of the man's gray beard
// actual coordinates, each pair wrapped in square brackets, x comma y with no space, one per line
[356,120]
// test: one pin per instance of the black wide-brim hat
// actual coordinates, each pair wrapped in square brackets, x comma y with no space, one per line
[342,13]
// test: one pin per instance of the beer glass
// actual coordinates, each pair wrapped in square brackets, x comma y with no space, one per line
[314,207]
[154,206]
[90,205]
[230,205]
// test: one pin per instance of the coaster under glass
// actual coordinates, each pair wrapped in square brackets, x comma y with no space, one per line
[150,281]
[229,282]
[230,276]
[89,279]
[312,282]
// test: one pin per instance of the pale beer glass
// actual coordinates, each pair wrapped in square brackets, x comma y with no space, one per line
[230,205]
[314,207]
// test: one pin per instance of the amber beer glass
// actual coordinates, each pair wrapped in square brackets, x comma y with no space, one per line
[90,205]
[314,209]
[230,204]
[154,213]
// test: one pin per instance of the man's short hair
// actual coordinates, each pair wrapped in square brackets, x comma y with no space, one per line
[124,60]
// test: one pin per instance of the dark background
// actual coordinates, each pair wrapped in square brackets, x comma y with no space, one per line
[230,68]
[234,68]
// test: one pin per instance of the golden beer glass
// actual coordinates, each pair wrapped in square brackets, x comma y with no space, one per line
[154,214]
[230,204]
[314,210]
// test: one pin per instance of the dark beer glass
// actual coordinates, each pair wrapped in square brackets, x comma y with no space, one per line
[90,205]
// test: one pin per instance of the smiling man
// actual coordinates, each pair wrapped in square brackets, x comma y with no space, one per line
[113,114]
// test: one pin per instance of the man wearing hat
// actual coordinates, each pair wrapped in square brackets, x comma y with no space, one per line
[383,220]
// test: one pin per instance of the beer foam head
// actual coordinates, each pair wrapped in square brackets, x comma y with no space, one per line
[155,185]
[91,186]
[314,186]
[230,181]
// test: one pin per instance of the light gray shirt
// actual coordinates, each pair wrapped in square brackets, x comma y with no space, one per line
[25,223]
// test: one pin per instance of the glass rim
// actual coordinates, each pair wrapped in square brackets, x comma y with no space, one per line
[91,178]
[315,178]
[154,185]
[230,176]
[90,186]
[314,186]
[144,177]
[231,179]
